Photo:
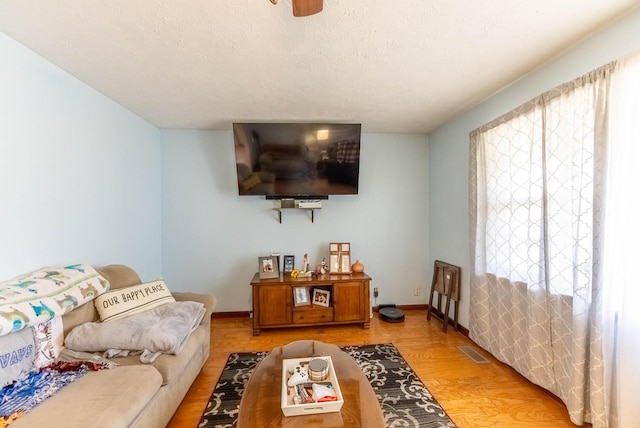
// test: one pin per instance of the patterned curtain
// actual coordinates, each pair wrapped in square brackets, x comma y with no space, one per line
[537,192]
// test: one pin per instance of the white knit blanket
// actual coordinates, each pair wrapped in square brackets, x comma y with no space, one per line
[164,329]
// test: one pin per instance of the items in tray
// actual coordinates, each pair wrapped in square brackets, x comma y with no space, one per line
[303,391]
[323,392]
[313,392]
[300,374]
[318,369]
[319,393]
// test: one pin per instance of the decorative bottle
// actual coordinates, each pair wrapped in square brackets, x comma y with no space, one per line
[357,267]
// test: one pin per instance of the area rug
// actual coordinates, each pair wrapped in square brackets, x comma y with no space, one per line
[404,400]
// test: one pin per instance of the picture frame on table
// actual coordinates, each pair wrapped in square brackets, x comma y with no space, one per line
[301,296]
[268,267]
[288,264]
[321,297]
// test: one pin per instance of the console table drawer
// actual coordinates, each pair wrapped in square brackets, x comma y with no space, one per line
[314,315]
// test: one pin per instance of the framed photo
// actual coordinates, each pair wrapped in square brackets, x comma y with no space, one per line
[301,296]
[268,267]
[277,256]
[288,263]
[340,257]
[321,297]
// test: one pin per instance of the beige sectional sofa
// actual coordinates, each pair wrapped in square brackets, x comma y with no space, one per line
[133,394]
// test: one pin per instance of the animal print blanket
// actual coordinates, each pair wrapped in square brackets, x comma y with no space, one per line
[39,296]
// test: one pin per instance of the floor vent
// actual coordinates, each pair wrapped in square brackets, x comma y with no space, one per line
[471,353]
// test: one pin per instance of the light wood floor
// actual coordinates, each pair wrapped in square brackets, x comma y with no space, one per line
[474,395]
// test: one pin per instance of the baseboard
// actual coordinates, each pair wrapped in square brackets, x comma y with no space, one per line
[440,315]
[247,314]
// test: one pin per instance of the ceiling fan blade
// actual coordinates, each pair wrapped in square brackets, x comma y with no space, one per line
[306,7]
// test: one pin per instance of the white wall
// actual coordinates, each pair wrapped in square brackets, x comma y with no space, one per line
[212,237]
[449,145]
[79,174]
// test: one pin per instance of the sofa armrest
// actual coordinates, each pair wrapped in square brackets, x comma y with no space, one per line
[209,300]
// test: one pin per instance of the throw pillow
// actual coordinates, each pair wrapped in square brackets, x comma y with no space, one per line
[123,302]
[33,347]
[16,356]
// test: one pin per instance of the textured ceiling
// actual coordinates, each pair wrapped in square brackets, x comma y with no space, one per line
[397,66]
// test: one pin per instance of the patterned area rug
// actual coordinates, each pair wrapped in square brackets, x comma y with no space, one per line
[404,399]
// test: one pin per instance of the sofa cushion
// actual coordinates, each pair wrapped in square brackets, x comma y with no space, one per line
[107,398]
[127,301]
[119,275]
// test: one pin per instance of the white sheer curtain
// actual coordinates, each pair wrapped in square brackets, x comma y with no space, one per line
[622,293]
[544,179]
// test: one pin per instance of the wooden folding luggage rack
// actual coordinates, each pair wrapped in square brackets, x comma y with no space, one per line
[446,282]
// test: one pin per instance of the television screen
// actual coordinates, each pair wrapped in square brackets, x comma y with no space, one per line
[297,160]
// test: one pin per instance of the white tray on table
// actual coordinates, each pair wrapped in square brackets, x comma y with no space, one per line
[291,409]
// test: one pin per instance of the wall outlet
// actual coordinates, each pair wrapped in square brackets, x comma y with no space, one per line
[417,291]
[375,292]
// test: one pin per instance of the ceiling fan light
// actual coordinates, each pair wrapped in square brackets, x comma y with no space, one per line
[306,7]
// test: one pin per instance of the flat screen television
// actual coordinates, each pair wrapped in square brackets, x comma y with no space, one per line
[297,160]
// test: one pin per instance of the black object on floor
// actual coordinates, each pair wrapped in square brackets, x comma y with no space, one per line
[390,313]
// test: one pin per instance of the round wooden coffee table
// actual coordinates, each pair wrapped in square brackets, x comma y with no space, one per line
[260,404]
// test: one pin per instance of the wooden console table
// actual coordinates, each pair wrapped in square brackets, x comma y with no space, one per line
[274,303]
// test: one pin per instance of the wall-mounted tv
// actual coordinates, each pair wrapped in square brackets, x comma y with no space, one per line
[297,160]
